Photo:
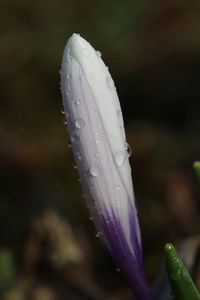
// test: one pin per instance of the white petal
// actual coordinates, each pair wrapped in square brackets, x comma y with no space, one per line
[97,132]
[103,89]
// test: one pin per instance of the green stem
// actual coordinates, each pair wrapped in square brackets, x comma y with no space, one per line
[182,285]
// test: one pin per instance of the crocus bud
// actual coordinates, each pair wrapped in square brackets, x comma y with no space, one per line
[99,146]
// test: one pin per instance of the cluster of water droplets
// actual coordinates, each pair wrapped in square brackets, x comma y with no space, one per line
[179,271]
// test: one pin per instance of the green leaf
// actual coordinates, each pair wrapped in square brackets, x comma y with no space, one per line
[182,285]
[196,166]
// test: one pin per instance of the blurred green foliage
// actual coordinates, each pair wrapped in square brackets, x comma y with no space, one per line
[7,271]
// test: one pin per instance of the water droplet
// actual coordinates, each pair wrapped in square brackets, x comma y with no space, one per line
[62,111]
[79,180]
[69,144]
[85,51]
[120,158]
[74,137]
[90,218]
[94,171]
[68,76]
[176,274]
[97,154]
[67,93]
[98,53]
[65,121]
[97,141]
[98,235]
[97,133]
[80,123]
[68,59]
[75,133]
[75,166]
[118,187]
[76,101]
[128,149]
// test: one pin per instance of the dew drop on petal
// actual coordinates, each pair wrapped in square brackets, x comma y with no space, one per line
[75,133]
[85,51]
[80,123]
[62,111]
[120,158]
[94,171]
[98,53]
[65,121]
[128,149]
[74,137]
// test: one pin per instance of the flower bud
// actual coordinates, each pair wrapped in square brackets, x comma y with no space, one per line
[99,146]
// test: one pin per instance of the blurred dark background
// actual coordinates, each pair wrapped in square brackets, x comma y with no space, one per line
[48,249]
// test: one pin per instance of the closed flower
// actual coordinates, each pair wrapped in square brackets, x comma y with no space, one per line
[101,154]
